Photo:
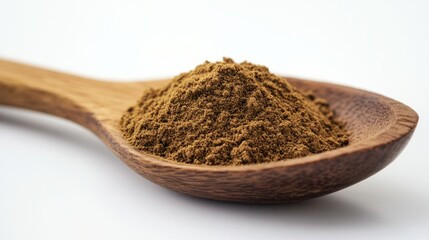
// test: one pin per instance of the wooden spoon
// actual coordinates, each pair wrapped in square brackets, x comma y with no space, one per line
[380,128]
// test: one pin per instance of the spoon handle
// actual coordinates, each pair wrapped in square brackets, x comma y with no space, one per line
[43,90]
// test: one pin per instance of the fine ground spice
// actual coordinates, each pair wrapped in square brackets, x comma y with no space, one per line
[228,113]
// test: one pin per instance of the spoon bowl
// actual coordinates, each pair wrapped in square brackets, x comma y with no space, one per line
[380,128]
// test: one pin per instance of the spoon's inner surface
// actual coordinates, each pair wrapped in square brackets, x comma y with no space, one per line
[365,115]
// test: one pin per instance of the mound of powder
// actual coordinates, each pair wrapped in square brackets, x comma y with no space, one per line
[228,113]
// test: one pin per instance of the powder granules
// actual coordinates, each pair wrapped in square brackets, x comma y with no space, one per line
[228,113]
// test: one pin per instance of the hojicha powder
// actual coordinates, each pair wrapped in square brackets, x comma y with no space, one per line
[228,113]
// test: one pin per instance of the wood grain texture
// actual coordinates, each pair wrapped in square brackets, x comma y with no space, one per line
[380,128]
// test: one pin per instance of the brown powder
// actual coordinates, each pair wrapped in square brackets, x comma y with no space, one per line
[228,113]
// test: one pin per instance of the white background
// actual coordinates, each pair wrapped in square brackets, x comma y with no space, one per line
[58,181]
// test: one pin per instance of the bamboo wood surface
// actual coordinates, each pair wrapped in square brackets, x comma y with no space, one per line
[380,128]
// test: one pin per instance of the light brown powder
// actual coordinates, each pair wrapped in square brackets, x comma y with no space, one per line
[228,113]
